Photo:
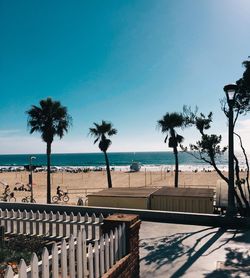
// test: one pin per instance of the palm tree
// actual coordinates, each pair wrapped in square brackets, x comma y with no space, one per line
[50,119]
[167,124]
[100,132]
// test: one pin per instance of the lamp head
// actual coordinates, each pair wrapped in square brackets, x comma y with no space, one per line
[230,91]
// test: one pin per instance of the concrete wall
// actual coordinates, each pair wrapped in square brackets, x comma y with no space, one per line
[146,215]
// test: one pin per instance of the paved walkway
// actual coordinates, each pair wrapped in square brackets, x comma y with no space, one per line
[174,250]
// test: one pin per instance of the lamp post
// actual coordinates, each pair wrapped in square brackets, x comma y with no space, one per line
[30,177]
[230,91]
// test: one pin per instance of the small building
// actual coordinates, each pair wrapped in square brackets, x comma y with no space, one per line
[197,200]
[221,195]
[132,197]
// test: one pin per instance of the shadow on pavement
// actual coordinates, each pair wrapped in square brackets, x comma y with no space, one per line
[237,264]
[165,250]
[193,257]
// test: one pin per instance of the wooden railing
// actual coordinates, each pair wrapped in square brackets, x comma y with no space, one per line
[50,224]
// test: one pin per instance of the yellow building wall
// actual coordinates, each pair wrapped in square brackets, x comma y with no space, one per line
[188,204]
[118,202]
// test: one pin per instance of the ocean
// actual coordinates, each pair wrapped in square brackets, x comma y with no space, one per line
[117,160]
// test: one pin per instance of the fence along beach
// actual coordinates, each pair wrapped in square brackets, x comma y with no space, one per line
[79,182]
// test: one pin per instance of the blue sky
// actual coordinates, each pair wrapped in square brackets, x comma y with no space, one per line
[128,62]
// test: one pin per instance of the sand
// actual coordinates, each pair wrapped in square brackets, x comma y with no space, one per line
[80,184]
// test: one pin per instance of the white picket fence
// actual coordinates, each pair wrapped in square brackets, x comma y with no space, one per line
[75,258]
[50,224]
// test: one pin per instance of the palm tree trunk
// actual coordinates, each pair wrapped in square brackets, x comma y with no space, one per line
[176,167]
[48,173]
[108,170]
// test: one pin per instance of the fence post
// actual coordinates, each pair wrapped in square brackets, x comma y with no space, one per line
[132,226]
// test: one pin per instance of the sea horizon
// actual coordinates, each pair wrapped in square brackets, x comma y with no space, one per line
[118,160]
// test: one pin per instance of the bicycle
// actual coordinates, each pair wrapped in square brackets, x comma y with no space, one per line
[28,199]
[64,198]
[8,197]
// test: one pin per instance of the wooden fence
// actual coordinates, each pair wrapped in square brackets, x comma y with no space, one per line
[50,224]
[75,258]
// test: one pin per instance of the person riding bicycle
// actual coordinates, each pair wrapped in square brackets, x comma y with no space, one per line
[59,192]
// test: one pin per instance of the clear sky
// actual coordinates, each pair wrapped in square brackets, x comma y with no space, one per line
[125,61]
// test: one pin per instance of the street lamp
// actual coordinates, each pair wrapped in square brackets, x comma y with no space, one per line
[30,177]
[230,91]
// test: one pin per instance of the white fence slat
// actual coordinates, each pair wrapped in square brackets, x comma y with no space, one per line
[71,226]
[64,259]
[55,261]
[58,223]
[84,253]
[102,255]
[107,259]
[7,222]
[38,221]
[34,266]
[111,248]
[45,263]
[12,215]
[124,251]
[72,269]
[78,220]
[79,259]
[44,231]
[25,223]
[18,224]
[51,216]
[100,223]
[90,261]
[116,245]
[64,224]
[120,242]
[22,269]
[97,260]
[86,220]
[93,221]
[9,272]
[31,222]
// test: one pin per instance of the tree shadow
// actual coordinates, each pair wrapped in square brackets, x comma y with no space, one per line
[243,236]
[165,250]
[237,264]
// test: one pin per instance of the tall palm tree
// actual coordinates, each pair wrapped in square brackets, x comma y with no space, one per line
[168,124]
[50,119]
[100,132]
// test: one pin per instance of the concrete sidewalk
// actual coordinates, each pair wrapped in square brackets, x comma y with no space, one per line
[174,250]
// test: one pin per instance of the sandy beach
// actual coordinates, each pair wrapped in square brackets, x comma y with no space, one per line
[85,183]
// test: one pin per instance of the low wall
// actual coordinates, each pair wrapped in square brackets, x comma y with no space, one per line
[146,215]
[129,266]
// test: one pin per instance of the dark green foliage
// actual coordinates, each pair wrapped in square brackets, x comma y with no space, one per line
[21,247]
[101,133]
[243,96]
[50,119]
